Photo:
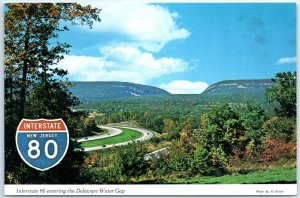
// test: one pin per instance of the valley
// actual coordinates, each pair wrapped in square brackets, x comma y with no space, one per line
[158,111]
[179,125]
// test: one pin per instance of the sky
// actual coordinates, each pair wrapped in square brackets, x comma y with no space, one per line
[183,47]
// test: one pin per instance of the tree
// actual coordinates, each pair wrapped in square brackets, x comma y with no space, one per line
[222,127]
[31,47]
[132,160]
[252,120]
[284,92]
[281,129]
[186,140]
[33,85]
[221,131]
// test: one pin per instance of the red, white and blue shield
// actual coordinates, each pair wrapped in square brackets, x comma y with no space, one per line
[42,143]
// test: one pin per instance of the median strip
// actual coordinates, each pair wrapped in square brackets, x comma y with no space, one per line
[127,135]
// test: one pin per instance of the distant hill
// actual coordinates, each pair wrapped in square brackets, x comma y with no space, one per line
[93,91]
[235,92]
[230,87]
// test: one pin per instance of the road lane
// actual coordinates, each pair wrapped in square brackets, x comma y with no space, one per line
[146,135]
[111,132]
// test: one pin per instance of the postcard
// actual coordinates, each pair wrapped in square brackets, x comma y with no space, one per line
[150,98]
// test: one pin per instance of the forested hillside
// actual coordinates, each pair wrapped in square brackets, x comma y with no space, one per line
[239,86]
[93,91]
[206,135]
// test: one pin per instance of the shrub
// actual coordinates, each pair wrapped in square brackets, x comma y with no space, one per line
[92,159]
[280,128]
[275,149]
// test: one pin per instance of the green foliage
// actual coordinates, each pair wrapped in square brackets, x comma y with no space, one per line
[171,128]
[29,55]
[91,125]
[252,119]
[186,141]
[219,134]
[131,160]
[174,134]
[33,85]
[222,128]
[280,175]
[86,126]
[106,169]
[224,138]
[179,161]
[154,112]
[51,100]
[117,165]
[159,167]
[220,114]
[279,128]
[284,92]
[200,161]
[208,138]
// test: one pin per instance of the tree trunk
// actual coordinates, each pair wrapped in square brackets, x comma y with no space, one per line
[24,73]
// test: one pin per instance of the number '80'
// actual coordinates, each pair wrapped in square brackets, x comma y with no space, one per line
[34,146]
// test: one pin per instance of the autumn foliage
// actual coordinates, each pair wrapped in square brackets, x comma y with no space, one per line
[92,159]
[276,149]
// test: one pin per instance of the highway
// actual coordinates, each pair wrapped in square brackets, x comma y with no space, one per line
[146,135]
[111,132]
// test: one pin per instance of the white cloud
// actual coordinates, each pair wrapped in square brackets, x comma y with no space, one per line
[184,87]
[146,25]
[286,60]
[121,63]
[144,29]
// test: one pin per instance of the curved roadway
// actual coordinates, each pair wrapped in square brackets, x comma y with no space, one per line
[147,134]
[111,132]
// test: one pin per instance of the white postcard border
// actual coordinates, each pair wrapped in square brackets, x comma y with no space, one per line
[180,189]
[152,190]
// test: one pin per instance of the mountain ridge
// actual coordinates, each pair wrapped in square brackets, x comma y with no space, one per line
[235,86]
[89,91]
[100,90]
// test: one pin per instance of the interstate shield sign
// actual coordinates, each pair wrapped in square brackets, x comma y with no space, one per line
[42,143]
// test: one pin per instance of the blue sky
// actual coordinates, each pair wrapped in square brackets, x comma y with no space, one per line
[183,48]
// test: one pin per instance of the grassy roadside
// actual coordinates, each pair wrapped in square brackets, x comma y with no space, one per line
[127,135]
[280,176]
